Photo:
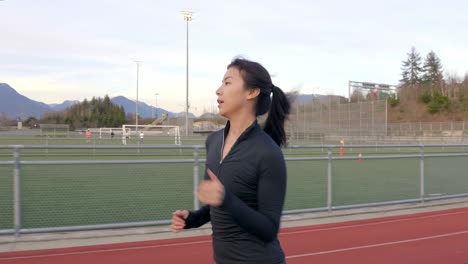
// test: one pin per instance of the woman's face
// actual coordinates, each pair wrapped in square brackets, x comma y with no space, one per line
[232,96]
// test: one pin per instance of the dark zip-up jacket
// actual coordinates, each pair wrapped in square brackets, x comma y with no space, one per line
[253,173]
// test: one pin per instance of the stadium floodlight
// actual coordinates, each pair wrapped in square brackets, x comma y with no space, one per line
[137,80]
[188,16]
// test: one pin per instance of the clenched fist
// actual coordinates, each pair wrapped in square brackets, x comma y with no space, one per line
[211,191]
[178,220]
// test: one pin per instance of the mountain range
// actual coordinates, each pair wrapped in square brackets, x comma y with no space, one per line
[17,106]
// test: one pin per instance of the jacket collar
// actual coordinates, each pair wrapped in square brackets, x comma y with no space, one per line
[254,127]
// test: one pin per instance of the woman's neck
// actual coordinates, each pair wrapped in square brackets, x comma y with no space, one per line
[240,123]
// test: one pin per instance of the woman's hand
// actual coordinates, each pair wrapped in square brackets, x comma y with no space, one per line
[178,220]
[211,192]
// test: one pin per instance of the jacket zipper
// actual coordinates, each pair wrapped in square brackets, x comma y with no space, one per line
[222,148]
[221,154]
[220,158]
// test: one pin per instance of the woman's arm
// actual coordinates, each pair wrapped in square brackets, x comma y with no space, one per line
[198,218]
[265,221]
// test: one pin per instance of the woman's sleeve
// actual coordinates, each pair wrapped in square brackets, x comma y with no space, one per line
[198,218]
[201,216]
[265,221]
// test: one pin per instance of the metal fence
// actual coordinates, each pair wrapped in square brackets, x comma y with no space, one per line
[313,123]
[330,116]
[430,129]
[95,187]
[323,119]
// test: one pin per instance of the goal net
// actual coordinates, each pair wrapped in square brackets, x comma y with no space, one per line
[54,130]
[170,132]
[107,132]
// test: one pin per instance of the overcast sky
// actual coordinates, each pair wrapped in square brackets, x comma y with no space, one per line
[56,50]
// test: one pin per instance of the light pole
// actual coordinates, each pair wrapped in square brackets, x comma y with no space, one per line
[187,17]
[136,104]
[156,106]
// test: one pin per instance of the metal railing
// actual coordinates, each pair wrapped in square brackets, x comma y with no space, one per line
[74,194]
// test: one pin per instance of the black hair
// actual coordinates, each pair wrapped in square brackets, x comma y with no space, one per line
[277,106]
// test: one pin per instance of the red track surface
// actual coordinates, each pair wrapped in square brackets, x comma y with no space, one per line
[435,237]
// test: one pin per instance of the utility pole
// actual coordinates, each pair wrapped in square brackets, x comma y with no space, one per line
[188,16]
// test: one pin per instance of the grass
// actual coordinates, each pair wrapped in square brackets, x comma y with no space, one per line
[6,196]
[97,194]
[66,195]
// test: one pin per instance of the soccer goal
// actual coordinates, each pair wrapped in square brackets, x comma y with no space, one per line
[54,130]
[155,130]
[108,132]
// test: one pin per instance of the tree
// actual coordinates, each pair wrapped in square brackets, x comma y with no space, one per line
[53,117]
[433,75]
[452,84]
[412,69]
[463,94]
[4,120]
[31,122]
[439,103]
[357,96]
[95,113]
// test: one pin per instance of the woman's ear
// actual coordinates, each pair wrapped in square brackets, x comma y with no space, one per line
[253,93]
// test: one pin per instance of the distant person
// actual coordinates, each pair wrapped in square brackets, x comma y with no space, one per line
[112,135]
[124,138]
[88,136]
[142,136]
[245,182]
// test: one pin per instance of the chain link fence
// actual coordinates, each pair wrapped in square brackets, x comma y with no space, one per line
[70,195]
[6,196]
[318,122]
[430,129]
[328,120]
[40,193]
[331,117]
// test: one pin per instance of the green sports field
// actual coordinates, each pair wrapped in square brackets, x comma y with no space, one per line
[67,195]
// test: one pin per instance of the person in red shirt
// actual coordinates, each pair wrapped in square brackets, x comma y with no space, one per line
[88,136]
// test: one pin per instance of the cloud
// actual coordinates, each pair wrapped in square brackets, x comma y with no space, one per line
[73,50]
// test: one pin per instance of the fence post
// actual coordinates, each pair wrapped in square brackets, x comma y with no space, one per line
[329,184]
[17,192]
[421,175]
[196,179]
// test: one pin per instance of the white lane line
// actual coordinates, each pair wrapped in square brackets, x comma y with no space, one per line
[370,224]
[105,250]
[376,245]
[208,241]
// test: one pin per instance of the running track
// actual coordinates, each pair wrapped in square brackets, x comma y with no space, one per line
[435,237]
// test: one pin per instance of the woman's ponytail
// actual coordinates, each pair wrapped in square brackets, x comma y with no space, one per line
[279,111]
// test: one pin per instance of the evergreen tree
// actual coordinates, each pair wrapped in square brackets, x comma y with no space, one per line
[95,113]
[433,74]
[412,69]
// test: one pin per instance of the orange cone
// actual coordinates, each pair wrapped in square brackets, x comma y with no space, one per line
[341,148]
